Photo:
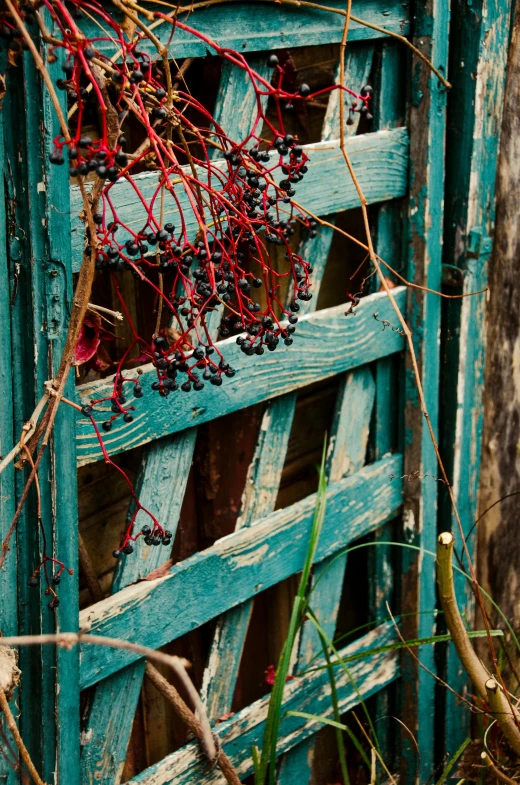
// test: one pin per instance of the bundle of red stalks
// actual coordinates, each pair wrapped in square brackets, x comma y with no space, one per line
[218,206]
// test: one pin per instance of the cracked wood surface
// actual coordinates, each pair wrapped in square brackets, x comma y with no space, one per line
[326,343]
[264,26]
[249,560]
[310,693]
[380,160]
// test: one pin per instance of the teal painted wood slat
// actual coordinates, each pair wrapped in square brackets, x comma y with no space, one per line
[39,316]
[326,343]
[388,112]
[263,26]
[346,455]
[8,575]
[162,481]
[48,195]
[310,694]
[380,160]
[198,588]
[426,201]
[259,499]
[161,487]
[479,56]
[358,64]
[236,104]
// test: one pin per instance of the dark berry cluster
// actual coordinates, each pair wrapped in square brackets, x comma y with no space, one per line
[239,196]
[152,536]
[52,581]
[11,38]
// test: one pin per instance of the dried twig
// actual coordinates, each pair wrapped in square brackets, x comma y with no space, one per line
[11,724]
[68,640]
[191,721]
[94,587]
[488,688]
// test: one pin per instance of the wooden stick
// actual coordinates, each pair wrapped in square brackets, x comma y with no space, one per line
[190,720]
[68,640]
[94,587]
[13,727]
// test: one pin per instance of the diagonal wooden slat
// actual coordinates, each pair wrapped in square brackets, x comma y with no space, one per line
[268,25]
[161,487]
[358,64]
[326,343]
[347,447]
[248,560]
[347,452]
[380,160]
[259,499]
[163,477]
[310,693]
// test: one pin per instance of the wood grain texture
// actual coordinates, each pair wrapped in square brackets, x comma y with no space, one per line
[8,575]
[326,343]
[426,202]
[263,26]
[250,560]
[480,38]
[380,160]
[346,455]
[310,694]
[259,498]
[39,253]
[161,487]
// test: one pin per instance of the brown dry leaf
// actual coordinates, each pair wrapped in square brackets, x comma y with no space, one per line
[2,88]
[172,335]
[129,27]
[9,671]
[12,57]
[391,284]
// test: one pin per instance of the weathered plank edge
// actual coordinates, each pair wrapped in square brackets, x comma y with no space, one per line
[250,559]
[309,693]
[326,343]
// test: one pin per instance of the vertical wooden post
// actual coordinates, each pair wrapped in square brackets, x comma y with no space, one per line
[8,575]
[39,250]
[388,113]
[427,132]
[478,58]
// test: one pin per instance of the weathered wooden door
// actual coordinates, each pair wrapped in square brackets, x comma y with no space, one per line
[381,463]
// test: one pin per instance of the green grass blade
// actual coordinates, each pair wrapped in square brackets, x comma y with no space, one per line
[341,662]
[452,761]
[335,724]
[335,707]
[272,725]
